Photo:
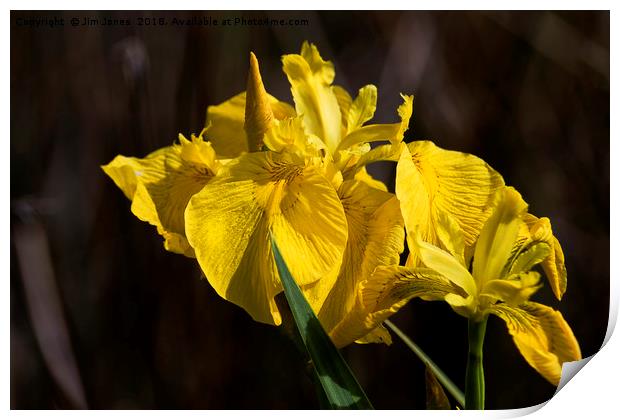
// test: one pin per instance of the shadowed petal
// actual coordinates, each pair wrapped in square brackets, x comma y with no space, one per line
[542,336]
[375,237]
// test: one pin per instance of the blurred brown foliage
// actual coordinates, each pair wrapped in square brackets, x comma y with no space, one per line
[103,317]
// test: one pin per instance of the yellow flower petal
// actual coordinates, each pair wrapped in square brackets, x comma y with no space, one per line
[464,306]
[363,176]
[285,133]
[311,78]
[370,133]
[229,221]
[394,283]
[198,152]
[378,132]
[387,290]
[513,291]
[162,185]
[445,264]
[346,160]
[450,237]
[430,181]
[145,209]
[542,336]
[384,152]
[344,103]
[498,236]
[177,243]
[375,237]
[319,67]
[553,264]
[378,335]
[363,108]
[405,110]
[126,172]
[172,192]
[528,258]
[224,124]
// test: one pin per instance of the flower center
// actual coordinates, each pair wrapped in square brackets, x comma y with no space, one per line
[287,172]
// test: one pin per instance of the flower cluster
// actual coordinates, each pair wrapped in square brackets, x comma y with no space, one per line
[264,169]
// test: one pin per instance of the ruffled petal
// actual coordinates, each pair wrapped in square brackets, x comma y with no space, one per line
[529,257]
[363,107]
[126,172]
[172,192]
[161,185]
[431,180]
[311,78]
[384,152]
[387,290]
[542,336]
[393,133]
[553,264]
[229,223]
[285,133]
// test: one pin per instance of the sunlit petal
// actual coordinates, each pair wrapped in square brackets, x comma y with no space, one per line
[378,132]
[311,78]
[498,236]
[229,221]
[445,264]
[431,181]
[363,107]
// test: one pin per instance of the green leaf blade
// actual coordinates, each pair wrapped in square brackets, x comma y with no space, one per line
[340,386]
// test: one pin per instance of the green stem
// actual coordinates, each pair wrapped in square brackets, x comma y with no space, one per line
[474,375]
[439,374]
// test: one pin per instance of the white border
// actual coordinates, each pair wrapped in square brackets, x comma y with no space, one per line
[593,393]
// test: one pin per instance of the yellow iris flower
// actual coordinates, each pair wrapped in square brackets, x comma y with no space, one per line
[299,173]
[332,229]
[273,169]
[501,281]
[161,184]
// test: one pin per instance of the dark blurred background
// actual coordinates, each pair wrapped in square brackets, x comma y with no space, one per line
[103,317]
